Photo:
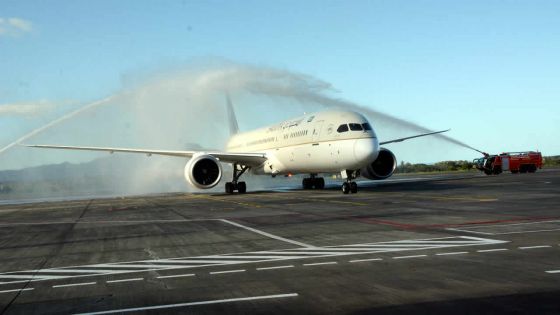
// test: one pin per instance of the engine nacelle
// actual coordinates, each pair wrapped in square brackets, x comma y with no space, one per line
[383,167]
[203,171]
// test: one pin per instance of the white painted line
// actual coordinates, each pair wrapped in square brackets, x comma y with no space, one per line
[266,234]
[76,270]
[137,266]
[321,263]
[360,260]
[159,307]
[177,276]
[553,271]
[275,267]
[406,257]
[227,271]
[319,253]
[16,290]
[125,280]
[491,250]
[469,231]
[530,231]
[451,253]
[31,277]
[73,284]
[189,262]
[532,247]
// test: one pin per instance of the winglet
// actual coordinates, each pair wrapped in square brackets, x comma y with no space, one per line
[233,127]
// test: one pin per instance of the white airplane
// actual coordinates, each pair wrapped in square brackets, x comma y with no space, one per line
[325,142]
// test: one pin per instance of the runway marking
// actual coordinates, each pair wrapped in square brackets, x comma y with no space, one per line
[177,263]
[17,290]
[412,256]
[266,234]
[73,284]
[473,229]
[275,267]
[177,276]
[159,307]
[491,250]
[125,280]
[553,271]
[247,204]
[322,263]
[227,271]
[451,253]
[469,231]
[363,260]
[534,247]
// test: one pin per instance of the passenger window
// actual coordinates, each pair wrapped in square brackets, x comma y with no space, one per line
[366,126]
[342,128]
[355,127]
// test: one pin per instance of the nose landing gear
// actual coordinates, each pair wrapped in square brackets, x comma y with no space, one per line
[350,186]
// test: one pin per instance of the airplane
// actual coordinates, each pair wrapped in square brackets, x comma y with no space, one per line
[326,142]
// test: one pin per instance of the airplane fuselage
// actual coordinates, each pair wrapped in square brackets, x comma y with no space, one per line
[324,142]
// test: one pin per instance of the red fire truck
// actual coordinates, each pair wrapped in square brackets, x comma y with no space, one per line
[515,162]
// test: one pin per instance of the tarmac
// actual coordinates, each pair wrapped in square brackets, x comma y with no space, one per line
[421,244]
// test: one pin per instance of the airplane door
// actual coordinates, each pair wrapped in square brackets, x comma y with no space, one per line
[317,130]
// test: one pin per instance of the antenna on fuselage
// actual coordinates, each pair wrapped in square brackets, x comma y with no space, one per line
[233,127]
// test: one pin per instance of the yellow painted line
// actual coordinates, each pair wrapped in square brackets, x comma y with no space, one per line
[480,198]
[247,204]
[336,201]
[286,197]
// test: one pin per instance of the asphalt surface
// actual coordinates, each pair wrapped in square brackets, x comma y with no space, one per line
[461,244]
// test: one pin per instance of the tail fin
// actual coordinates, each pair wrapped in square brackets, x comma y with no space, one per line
[233,127]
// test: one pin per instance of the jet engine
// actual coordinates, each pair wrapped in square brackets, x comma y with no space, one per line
[203,171]
[383,167]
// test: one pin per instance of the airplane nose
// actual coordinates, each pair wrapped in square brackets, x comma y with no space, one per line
[366,150]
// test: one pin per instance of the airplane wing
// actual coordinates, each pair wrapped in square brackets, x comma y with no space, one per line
[406,138]
[249,159]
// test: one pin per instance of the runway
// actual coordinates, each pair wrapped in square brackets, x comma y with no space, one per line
[459,243]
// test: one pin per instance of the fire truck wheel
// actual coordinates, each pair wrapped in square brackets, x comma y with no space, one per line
[488,172]
[532,168]
[514,171]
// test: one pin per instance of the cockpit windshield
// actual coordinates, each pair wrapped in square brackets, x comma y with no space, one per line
[355,127]
[367,126]
[342,128]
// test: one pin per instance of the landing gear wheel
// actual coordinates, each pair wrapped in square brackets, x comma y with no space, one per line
[229,188]
[319,183]
[353,187]
[345,188]
[241,187]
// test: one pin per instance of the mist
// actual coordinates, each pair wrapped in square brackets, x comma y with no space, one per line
[184,108]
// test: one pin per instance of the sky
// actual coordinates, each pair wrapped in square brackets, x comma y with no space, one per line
[489,70]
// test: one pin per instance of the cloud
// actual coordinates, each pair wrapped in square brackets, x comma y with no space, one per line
[14,27]
[27,109]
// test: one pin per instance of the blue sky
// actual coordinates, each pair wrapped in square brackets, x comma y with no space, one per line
[487,69]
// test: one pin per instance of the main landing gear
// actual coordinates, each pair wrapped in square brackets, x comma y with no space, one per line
[350,186]
[234,185]
[313,182]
